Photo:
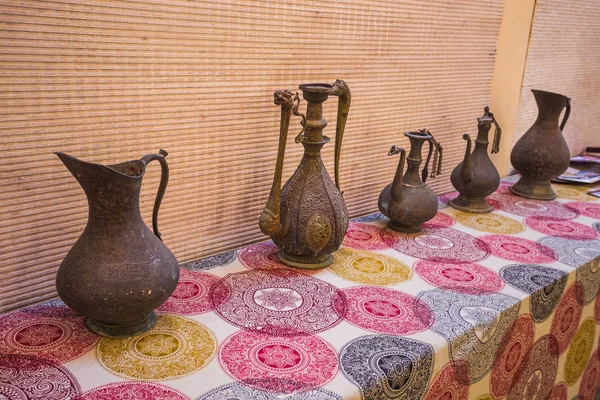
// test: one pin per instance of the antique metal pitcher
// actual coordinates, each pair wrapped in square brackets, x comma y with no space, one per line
[476,177]
[542,154]
[408,201]
[118,271]
[307,219]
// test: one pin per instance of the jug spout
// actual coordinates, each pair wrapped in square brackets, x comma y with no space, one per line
[270,219]
[85,172]
[396,192]
[466,172]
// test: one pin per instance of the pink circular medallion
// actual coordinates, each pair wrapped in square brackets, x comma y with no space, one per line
[567,316]
[588,209]
[514,248]
[530,208]
[441,219]
[264,358]
[561,228]
[264,256]
[364,237]
[278,302]
[511,353]
[461,277]
[385,310]
[51,332]
[435,242]
[191,295]
[133,391]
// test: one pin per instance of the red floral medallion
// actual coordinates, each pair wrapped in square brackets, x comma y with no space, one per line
[436,242]
[48,331]
[588,209]
[514,248]
[561,228]
[590,381]
[133,391]
[567,316]
[448,385]
[264,256]
[364,237]
[461,277]
[597,308]
[530,208]
[559,392]
[34,378]
[264,359]
[278,302]
[191,295]
[385,310]
[511,353]
[441,219]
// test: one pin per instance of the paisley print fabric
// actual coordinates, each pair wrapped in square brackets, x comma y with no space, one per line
[499,306]
[388,367]
[544,284]
[473,325]
[173,348]
[369,268]
[34,378]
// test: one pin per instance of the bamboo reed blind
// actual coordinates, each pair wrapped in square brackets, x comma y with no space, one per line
[109,81]
[564,57]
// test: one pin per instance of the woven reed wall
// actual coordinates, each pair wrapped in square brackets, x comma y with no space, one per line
[564,57]
[109,81]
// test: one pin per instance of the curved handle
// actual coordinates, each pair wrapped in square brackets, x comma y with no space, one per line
[340,89]
[497,132]
[425,171]
[567,113]
[437,149]
[164,180]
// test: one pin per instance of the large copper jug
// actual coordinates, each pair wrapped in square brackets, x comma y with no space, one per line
[307,219]
[542,154]
[476,177]
[408,201]
[118,271]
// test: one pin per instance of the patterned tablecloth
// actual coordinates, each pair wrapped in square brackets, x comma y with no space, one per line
[493,306]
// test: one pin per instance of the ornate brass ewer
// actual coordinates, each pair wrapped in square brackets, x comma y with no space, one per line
[308,219]
[476,176]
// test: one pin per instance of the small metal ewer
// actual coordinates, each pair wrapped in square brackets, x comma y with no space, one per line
[408,201]
[307,219]
[542,154]
[476,177]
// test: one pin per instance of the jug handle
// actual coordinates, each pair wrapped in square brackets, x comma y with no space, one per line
[436,148]
[340,89]
[567,113]
[164,180]
[497,132]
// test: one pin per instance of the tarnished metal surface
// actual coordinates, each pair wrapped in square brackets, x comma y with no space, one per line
[542,154]
[118,271]
[476,176]
[307,218]
[408,201]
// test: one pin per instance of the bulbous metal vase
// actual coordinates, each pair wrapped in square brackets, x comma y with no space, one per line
[408,201]
[118,271]
[307,219]
[542,154]
[476,177]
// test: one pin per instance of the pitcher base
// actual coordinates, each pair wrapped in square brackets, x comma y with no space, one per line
[398,227]
[305,262]
[473,205]
[122,330]
[533,190]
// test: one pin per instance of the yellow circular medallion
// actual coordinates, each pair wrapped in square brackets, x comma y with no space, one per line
[364,266]
[572,192]
[492,223]
[173,348]
[579,351]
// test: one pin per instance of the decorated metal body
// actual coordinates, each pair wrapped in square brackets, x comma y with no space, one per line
[408,201]
[118,271]
[542,154]
[307,219]
[476,176]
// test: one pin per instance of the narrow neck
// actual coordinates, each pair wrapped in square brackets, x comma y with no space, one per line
[315,123]
[482,140]
[414,160]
